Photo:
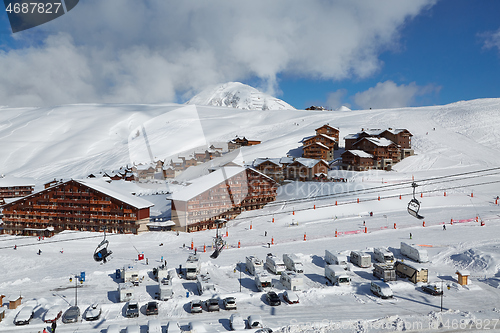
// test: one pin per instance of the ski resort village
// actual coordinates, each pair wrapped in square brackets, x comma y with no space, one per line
[242,213]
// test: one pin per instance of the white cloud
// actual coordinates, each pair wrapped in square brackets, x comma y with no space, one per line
[336,99]
[156,51]
[386,95]
[491,39]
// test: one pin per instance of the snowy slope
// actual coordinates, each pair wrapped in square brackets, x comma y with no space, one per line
[239,96]
[68,141]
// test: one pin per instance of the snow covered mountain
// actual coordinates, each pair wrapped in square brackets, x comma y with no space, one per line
[239,96]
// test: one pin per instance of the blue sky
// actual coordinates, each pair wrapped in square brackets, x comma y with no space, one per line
[382,54]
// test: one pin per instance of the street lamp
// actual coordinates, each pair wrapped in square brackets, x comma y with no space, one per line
[442,292]
[239,266]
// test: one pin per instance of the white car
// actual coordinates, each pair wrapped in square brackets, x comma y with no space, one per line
[133,329]
[113,328]
[236,322]
[197,327]
[93,312]
[53,313]
[229,303]
[24,316]
[290,297]
[173,327]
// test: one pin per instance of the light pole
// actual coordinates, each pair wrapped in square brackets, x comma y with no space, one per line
[239,266]
[442,293]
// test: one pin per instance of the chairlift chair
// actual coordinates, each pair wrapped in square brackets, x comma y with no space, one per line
[219,244]
[414,205]
[101,252]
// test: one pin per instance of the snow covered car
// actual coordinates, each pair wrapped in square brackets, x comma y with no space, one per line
[93,312]
[290,297]
[196,306]
[132,310]
[173,327]
[212,304]
[113,328]
[133,329]
[432,289]
[197,327]
[24,316]
[264,330]
[236,322]
[71,315]
[152,308]
[273,299]
[154,326]
[229,303]
[52,314]
[255,321]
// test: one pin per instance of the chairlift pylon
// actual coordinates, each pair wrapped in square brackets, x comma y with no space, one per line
[219,244]
[414,205]
[101,252]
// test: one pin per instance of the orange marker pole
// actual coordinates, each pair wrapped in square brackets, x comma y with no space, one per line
[272,241]
[314,206]
[366,230]
[304,236]
[250,226]
[204,248]
[472,195]
[394,225]
[336,234]
[358,200]
[239,244]
[400,197]
[423,224]
[192,245]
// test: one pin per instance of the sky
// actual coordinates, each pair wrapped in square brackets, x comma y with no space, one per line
[360,54]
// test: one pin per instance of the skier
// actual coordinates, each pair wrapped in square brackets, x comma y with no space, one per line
[45,330]
[410,235]
[15,247]
[54,325]
[39,252]
[265,233]
[444,227]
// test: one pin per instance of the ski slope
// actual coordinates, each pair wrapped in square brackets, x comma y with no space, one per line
[457,139]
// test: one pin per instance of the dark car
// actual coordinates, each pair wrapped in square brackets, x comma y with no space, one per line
[432,289]
[273,299]
[152,308]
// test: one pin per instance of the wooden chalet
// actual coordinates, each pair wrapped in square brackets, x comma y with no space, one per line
[357,160]
[271,167]
[318,151]
[241,142]
[76,205]
[220,195]
[329,130]
[384,151]
[304,169]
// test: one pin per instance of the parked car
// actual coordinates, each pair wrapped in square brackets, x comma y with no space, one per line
[255,321]
[173,327]
[197,327]
[24,316]
[290,297]
[133,329]
[152,308]
[273,299]
[71,315]
[212,304]
[93,312]
[236,322]
[432,289]
[229,303]
[196,306]
[132,310]
[52,314]
[264,330]
[113,328]
[154,326]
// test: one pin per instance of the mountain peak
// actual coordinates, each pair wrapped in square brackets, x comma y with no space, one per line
[239,96]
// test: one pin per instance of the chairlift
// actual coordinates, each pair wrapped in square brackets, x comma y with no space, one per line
[218,243]
[101,252]
[414,205]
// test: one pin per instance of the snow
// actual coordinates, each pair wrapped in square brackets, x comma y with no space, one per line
[239,96]
[72,141]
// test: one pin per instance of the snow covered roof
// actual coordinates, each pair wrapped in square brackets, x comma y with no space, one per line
[14,181]
[259,161]
[359,153]
[396,131]
[286,160]
[318,144]
[380,142]
[307,162]
[204,183]
[117,193]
